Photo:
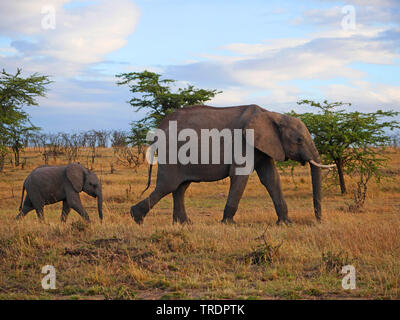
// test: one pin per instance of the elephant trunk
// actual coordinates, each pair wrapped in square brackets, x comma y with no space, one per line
[316,185]
[316,178]
[100,204]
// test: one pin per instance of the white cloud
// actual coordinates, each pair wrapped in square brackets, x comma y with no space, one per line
[6,51]
[367,13]
[366,96]
[90,35]
[20,17]
[265,65]
[271,66]
[82,35]
[230,96]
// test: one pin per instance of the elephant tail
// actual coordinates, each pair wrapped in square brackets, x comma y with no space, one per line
[148,180]
[22,196]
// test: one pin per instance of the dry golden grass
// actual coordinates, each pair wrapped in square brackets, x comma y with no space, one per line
[121,260]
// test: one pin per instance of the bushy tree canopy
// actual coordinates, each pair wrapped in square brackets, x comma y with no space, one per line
[17,92]
[348,138]
[156,95]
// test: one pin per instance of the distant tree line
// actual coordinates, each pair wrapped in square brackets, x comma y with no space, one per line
[74,145]
[129,150]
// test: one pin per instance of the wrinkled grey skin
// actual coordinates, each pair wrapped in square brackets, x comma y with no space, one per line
[276,137]
[51,184]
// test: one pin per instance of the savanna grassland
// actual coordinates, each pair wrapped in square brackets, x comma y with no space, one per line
[253,259]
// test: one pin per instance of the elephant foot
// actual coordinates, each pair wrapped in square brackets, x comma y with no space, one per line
[19,216]
[228,221]
[136,215]
[285,221]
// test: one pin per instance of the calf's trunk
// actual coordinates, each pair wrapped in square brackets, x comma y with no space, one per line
[100,205]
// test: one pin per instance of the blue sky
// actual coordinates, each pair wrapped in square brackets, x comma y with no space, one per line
[272,53]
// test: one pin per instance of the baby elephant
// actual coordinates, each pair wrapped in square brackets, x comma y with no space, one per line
[50,184]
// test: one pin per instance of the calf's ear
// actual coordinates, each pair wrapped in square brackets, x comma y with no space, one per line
[75,175]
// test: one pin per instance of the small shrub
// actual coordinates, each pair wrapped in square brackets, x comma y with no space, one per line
[264,253]
[174,241]
[71,290]
[332,261]
[124,293]
[79,226]
[313,292]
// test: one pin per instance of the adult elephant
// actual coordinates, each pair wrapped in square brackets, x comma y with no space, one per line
[277,137]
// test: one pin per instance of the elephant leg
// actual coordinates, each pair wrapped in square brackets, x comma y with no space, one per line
[65,210]
[238,183]
[269,177]
[139,211]
[39,213]
[179,204]
[37,203]
[27,207]
[74,202]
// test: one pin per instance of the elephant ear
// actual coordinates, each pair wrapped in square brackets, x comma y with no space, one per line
[266,135]
[75,175]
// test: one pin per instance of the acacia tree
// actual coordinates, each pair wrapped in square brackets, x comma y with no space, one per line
[350,139]
[17,92]
[137,137]
[157,97]
[17,136]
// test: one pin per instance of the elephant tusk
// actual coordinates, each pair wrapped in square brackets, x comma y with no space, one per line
[323,166]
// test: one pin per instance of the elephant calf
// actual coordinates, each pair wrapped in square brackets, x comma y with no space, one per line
[51,184]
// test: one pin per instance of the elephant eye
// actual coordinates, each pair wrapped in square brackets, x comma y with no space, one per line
[299,140]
